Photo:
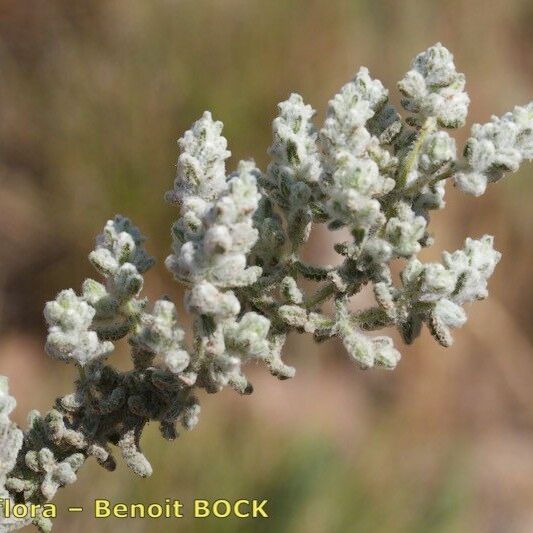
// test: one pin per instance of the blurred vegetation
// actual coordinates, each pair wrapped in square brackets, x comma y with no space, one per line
[94,96]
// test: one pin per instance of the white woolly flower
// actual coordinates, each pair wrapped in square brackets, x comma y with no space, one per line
[120,257]
[10,436]
[345,126]
[375,254]
[351,108]
[120,242]
[385,354]
[361,174]
[237,342]
[427,282]
[247,338]
[11,439]
[354,209]
[201,164]
[355,184]
[69,337]
[293,174]
[56,473]
[369,352]
[433,88]
[357,169]
[368,89]
[434,293]
[346,116]
[405,230]
[218,251]
[205,299]
[496,148]
[160,335]
[472,265]
[451,314]
[366,351]
[435,282]
[294,151]
[438,150]
[7,402]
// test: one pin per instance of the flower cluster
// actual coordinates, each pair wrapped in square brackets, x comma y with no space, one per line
[496,148]
[11,438]
[434,89]
[69,339]
[437,291]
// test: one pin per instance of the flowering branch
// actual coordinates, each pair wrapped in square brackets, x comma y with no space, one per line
[235,248]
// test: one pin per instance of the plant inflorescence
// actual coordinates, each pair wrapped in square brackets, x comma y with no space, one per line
[236,249]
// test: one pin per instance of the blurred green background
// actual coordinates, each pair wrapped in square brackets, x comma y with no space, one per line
[93,98]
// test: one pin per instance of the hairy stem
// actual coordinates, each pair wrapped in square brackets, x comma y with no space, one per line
[320,296]
[411,158]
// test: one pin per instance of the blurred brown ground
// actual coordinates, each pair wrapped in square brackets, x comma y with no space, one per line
[93,98]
